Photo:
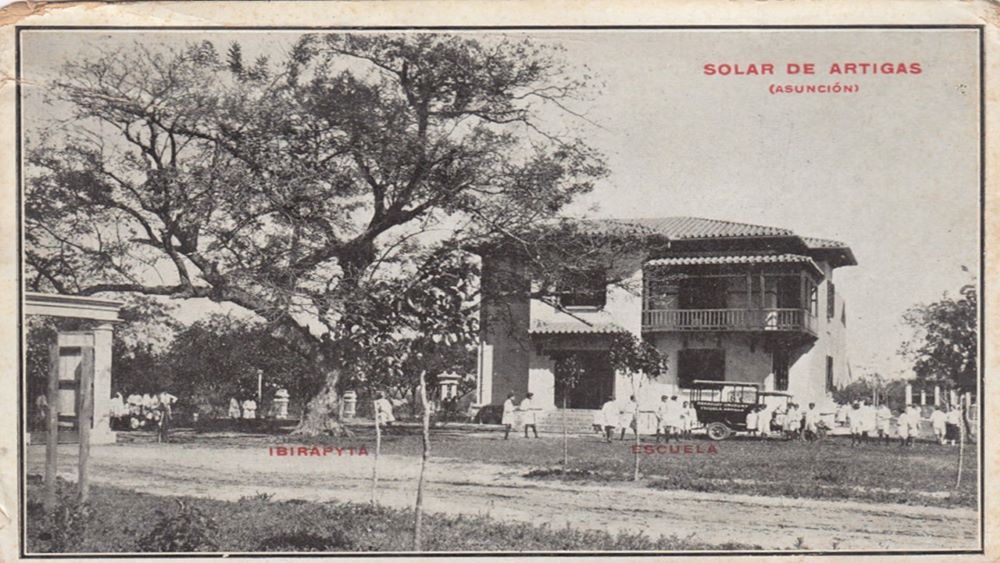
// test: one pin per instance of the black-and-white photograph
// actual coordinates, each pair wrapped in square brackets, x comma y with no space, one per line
[613,290]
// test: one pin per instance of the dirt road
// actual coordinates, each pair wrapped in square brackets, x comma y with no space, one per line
[500,492]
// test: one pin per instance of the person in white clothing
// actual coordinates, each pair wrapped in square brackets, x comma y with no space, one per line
[507,419]
[690,418]
[763,421]
[914,422]
[234,408]
[249,409]
[939,424]
[663,419]
[856,423]
[528,417]
[953,418]
[903,427]
[383,410]
[610,414]
[753,419]
[867,421]
[628,416]
[118,408]
[811,421]
[883,419]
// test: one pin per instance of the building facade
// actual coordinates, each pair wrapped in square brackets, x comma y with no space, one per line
[719,300]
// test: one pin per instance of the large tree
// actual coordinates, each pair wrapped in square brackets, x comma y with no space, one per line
[944,348]
[290,187]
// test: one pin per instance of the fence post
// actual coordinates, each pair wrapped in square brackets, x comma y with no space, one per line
[85,419]
[52,436]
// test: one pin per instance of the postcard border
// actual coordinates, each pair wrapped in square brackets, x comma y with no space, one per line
[21,453]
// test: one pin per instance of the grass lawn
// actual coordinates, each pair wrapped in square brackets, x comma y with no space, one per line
[924,474]
[121,520]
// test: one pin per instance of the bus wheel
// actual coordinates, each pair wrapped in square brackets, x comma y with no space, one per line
[718,431]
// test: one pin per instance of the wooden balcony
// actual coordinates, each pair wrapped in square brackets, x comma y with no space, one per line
[728,320]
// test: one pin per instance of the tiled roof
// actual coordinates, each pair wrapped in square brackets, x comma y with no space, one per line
[696,227]
[730,259]
[573,327]
[814,243]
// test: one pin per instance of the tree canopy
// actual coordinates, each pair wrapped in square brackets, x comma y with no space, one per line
[945,348]
[296,187]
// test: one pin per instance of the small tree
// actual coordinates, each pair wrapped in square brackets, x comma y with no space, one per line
[944,349]
[641,361]
[569,371]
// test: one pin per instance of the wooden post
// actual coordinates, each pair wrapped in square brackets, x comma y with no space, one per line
[85,419]
[961,447]
[378,448]
[52,436]
[419,507]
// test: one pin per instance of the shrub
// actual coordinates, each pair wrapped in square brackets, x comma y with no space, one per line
[185,528]
[306,541]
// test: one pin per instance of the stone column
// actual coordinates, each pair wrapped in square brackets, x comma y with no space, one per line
[909,394]
[937,396]
[101,433]
[923,397]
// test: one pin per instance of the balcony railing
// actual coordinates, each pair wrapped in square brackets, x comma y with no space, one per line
[728,320]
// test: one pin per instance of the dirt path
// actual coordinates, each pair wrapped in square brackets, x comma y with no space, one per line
[500,492]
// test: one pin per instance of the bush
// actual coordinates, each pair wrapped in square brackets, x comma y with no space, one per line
[121,520]
[185,528]
[306,541]
[63,528]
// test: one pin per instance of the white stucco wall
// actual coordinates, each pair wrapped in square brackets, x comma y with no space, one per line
[541,379]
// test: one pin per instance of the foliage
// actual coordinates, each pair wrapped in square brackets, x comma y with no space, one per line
[294,188]
[569,371]
[892,392]
[945,347]
[184,527]
[630,354]
[146,333]
[65,526]
[219,357]
[297,525]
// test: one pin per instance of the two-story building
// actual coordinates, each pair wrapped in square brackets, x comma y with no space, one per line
[719,300]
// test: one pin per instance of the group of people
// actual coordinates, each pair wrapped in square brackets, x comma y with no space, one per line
[674,418]
[525,413]
[245,409]
[790,422]
[868,423]
[141,411]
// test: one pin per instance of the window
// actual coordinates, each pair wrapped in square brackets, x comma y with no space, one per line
[585,291]
[660,293]
[813,299]
[700,363]
[829,374]
[702,293]
[831,300]
[789,292]
[780,367]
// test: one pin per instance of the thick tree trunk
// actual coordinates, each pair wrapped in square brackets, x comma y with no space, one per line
[419,507]
[322,412]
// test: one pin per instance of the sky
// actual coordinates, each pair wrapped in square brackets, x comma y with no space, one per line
[892,170]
